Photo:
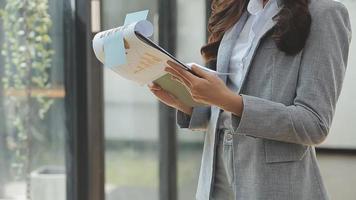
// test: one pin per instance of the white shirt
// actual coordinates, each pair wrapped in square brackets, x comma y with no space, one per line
[244,41]
[243,46]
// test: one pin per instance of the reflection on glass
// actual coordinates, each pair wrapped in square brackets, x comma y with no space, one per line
[32,114]
[190,38]
[191,30]
[131,121]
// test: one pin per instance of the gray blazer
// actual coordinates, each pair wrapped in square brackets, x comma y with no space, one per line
[289,103]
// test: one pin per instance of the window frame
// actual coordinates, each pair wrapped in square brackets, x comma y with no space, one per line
[167,119]
[84,106]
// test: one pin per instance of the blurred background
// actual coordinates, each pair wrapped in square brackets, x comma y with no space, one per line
[71,129]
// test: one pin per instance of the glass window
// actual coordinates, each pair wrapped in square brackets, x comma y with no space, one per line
[131,120]
[191,30]
[191,36]
[32,113]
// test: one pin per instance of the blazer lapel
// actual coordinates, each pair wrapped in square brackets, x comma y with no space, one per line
[226,46]
[266,27]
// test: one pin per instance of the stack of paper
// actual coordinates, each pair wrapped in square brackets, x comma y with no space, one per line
[128,51]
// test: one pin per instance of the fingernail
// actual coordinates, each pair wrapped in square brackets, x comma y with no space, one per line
[156,89]
[170,63]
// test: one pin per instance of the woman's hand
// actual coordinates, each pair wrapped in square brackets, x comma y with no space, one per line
[208,88]
[169,99]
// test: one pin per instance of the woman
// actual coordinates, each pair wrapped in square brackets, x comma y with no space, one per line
[288,59]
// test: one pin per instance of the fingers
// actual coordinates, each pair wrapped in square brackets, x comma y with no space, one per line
[184,73]
[154,86]
[178,80]
[181,82]
[201,72]
[166,97]
[179,76]
[156,89]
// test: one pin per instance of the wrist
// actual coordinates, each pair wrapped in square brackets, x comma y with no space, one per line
[232,103]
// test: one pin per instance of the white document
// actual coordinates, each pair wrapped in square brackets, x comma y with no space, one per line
[143,62]
[140,60]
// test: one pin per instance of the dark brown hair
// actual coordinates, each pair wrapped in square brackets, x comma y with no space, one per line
[290,32]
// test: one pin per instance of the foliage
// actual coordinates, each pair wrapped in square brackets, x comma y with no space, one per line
[27,57]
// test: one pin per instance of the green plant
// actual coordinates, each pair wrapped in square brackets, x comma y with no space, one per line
[27,57]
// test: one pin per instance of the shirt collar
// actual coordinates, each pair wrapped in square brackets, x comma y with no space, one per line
[255,6]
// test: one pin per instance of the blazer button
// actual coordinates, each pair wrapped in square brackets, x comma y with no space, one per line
[228,136]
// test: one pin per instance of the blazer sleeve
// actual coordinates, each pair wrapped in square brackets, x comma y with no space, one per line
[307,121]
[198,121]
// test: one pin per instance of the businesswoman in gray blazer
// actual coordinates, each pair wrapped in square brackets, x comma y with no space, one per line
[287,61]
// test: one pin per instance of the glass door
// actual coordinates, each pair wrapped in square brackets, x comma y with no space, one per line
[32,96]
[191,36]
[131,121]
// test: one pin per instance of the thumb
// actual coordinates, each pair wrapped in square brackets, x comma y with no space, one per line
[200,72]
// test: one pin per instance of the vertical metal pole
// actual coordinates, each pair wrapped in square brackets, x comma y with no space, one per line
[84,106]
[73,181]
[167,125]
